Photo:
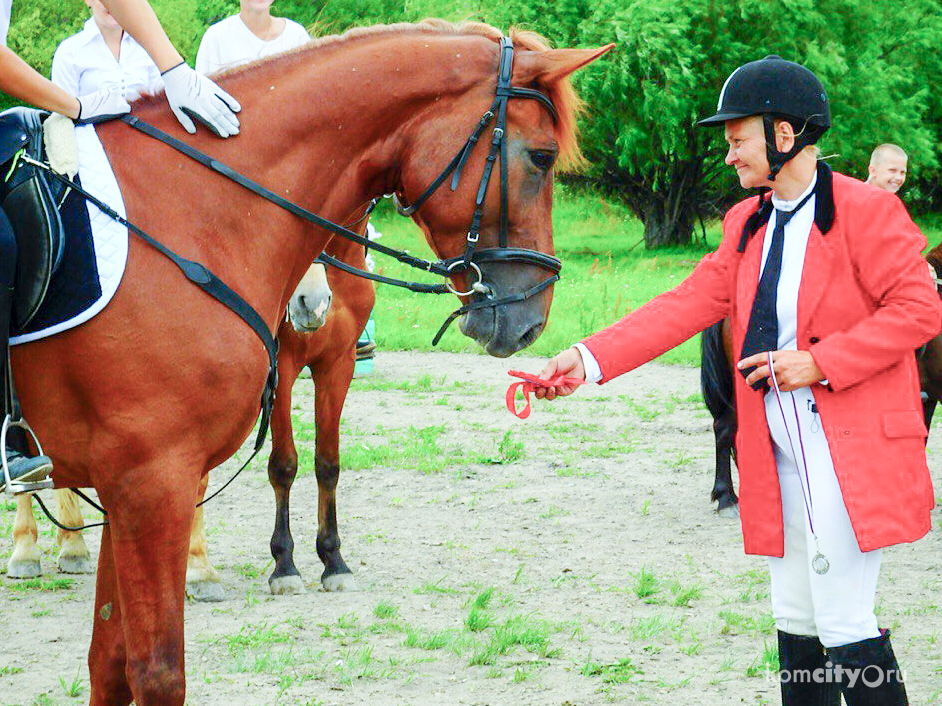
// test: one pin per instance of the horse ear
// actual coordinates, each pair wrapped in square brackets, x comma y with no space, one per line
[550,66]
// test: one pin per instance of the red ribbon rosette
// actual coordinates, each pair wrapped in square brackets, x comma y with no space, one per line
[530,383]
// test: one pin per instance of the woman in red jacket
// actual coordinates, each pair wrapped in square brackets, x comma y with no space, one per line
[827,294]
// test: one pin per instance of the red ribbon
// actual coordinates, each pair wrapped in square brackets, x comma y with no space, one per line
[530,384]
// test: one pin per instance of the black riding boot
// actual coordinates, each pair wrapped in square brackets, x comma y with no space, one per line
[23,467]
[870,675]
[804,676]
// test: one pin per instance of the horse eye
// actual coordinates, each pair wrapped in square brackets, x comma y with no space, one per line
[542,159]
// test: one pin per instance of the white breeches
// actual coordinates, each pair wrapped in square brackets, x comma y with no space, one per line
[838,606]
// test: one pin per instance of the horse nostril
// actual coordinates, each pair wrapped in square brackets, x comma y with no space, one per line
[301,301]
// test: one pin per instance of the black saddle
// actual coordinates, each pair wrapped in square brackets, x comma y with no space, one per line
[32,206]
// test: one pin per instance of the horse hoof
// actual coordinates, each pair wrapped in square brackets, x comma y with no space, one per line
[24,569]
[731,512]
[339,582]
[205,591]
[286,585]
[76,564]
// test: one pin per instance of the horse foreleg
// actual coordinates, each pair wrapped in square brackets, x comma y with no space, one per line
[150,514]
[724,430]
[107,658]
[24,562]
[282,470]
[74,557]
[331,384]
[202,581]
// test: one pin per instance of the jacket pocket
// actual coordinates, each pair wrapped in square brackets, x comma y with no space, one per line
[903,424]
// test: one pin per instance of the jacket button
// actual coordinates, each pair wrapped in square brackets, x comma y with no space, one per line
[814,339]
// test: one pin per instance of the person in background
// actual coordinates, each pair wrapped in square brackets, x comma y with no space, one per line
[825,287]
[887,168]
[252,34]
[103,57]
[190,95]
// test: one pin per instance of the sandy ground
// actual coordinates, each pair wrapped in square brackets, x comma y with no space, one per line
[544,555]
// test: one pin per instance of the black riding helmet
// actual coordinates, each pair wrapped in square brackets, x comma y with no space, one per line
[775,88]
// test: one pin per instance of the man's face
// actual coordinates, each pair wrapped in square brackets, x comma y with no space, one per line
[889,172]
[746,140]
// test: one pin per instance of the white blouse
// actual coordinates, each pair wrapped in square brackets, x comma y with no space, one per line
[84,64]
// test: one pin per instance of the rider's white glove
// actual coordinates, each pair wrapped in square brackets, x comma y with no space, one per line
[101,105]
[192,95]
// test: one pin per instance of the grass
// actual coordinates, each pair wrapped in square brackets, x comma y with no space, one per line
[416,448]
[619,672]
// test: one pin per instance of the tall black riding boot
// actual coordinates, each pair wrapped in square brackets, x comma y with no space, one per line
[23,467]
[869,674]
[804,676]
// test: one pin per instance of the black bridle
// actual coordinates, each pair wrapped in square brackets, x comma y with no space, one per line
[473,257]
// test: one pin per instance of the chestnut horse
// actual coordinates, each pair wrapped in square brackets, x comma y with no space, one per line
[716,384]
[163,385]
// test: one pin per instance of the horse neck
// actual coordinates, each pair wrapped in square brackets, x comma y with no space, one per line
[328,126]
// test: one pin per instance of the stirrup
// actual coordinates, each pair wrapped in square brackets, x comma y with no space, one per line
[13,487]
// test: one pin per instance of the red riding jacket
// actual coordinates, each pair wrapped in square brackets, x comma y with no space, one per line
[864,305]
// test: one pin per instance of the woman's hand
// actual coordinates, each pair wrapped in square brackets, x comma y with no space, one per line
[793,369]
[567,363]
[192,95]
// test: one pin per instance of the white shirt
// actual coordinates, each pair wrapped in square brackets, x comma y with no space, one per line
[230,43]
[797,231]
[84,64]
[5,6]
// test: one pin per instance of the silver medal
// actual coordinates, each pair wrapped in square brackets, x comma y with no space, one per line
[820,563]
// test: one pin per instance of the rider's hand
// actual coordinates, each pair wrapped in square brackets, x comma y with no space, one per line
[192,95]
[101,105]
[568,363]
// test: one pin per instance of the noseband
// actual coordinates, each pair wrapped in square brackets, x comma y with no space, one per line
[473,257]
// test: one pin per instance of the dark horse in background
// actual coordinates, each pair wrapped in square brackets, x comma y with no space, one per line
[716,384]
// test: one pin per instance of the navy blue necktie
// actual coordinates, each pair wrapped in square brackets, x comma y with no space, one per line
[762,333]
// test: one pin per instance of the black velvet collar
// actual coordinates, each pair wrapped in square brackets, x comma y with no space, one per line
[823,207]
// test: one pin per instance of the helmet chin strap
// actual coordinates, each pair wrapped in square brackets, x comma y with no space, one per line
[778,159]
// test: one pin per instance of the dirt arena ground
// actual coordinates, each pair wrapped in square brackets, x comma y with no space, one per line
[572,559]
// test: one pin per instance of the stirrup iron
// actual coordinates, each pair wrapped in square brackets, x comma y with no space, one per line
[13,487]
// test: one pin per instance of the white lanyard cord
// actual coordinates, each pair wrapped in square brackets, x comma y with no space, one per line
[820,563]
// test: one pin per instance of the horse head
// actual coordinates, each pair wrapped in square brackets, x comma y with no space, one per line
[500,182]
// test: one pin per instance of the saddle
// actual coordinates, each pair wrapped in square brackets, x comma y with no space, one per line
[32,206]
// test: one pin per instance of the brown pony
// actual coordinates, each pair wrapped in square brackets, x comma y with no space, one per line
[163,385]
[329,353]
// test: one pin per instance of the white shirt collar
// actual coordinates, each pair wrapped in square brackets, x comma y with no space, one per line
[783,205]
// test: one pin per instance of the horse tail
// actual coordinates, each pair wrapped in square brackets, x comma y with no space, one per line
[716,379]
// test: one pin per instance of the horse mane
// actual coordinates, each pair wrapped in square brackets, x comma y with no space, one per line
[568,105]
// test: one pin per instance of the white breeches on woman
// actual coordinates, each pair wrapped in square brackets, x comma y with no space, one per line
[836,606]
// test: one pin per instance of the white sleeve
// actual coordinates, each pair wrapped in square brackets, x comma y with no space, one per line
[593,372]
[65,73]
